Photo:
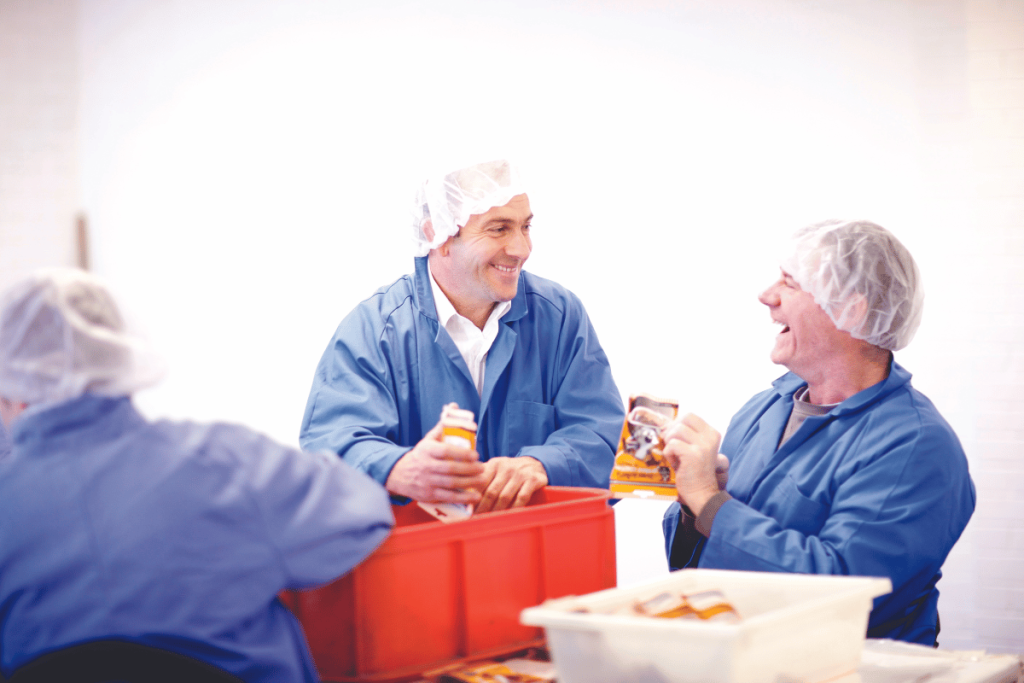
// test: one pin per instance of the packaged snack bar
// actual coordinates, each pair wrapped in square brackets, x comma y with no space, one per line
[640,469]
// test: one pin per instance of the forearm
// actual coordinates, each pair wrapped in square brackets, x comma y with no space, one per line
[574,462]
[373,456]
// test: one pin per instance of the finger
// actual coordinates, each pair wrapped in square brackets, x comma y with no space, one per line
[508,492]
[459,453]
[671,432]
[673,423]
[445,495]
[695,422]
[524,480]
[494,488]
[722,463]
[490,469]
[455,468]
[525,493]
[449,452]
[452,482]
[435,432]
[682,432]
[673,452]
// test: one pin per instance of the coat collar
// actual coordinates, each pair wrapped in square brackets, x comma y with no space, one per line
[898,377]
[69,417]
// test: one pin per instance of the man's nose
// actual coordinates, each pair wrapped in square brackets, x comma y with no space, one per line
[770,296]
[519,245]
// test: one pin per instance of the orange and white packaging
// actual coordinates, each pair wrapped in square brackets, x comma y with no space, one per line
[457,428]
[641,470]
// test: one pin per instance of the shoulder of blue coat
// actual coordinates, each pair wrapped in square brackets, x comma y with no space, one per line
[537,288]
[215,441]
[383,303]
[917,408]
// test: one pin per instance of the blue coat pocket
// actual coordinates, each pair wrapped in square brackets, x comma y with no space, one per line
[529,424]
[793,510]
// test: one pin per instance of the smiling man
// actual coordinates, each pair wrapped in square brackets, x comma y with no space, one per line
[842,467]
[469,326]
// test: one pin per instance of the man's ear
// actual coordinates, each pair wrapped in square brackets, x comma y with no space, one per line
[428,230]
[855,312]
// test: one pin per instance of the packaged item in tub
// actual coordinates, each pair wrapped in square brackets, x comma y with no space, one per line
[640,469]
[794,627]
[514,671]
[708,605]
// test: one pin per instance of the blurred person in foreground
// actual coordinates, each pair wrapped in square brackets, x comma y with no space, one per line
[174,535]
[842,467]
[469,326]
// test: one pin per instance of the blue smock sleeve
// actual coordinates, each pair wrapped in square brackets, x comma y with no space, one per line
[877,487]
[321,515]
[884,513]
[588,408]
[895,509]
[352,409]
[5,441]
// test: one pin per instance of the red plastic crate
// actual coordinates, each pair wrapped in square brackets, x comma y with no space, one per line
[436,594]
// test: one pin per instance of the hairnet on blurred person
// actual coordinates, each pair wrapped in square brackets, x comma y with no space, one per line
[862,277]
[448,201]
[171,534]
[62,335]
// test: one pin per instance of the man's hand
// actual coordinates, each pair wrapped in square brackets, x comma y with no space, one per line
[510,482]
[437,472]
[691,448]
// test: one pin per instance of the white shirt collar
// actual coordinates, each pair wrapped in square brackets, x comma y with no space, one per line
[472,342]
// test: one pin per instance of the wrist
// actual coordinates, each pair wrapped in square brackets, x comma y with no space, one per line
[706,519]
[696,500]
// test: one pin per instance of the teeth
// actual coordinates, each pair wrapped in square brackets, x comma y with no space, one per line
[506,269]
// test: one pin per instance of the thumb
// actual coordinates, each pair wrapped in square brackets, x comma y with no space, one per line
[435,433]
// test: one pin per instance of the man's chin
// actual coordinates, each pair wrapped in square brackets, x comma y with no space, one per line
[504,294]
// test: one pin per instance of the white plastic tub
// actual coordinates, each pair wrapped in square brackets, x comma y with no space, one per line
[794,627]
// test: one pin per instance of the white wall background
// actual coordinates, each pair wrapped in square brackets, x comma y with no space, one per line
[247,167]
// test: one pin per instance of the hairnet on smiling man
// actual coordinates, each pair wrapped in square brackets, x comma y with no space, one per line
[449,200]
[862,277]
[62,335]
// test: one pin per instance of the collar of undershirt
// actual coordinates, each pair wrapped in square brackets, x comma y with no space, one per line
[804,407]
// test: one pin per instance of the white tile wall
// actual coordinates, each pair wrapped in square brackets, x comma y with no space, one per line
[995,69]
[38,101]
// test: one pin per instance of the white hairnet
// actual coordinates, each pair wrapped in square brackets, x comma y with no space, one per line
[61,335]
[448,201]
[862,277]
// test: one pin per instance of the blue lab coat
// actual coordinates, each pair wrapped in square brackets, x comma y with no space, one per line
[876,487]
[173,535]
[390,368]
[5,442]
